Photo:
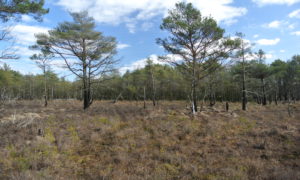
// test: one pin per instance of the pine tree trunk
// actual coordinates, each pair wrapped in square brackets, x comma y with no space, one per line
[194,98]
[264,100]
[276,102]
[85,95]
[45,88]
[86,80]
[153,89]
[144,97]
[227,106]
[52,93]
[194,94]
[244,95]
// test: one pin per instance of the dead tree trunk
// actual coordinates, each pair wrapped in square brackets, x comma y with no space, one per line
[118,97]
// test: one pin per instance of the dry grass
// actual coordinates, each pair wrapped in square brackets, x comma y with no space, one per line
[124,141]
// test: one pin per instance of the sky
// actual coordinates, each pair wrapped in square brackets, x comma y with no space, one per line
[272,25]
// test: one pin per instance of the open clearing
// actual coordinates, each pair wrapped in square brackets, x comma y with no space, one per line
[124,141]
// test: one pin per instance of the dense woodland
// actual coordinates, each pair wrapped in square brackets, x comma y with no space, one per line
[281,82]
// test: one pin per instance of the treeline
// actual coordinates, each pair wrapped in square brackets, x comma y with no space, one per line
[14,85]
[279,81]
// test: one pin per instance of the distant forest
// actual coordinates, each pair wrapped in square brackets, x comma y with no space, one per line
[279,81]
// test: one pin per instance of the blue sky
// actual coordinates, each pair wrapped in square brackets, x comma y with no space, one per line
[273,25]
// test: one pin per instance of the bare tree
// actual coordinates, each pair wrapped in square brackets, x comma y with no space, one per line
[8,51]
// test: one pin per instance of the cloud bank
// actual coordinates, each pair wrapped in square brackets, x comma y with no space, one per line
[132,12]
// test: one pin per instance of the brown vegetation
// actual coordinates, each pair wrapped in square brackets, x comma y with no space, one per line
[125,141]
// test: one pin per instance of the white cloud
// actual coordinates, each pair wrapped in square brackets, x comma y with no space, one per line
[269,56]
[131,27]
[59,64]
[27,66]
[279,24]
[255,36]
[230,22]
[24,37]
[132,11]
[122,46]
[296,33]
[146,26]
[19,65]
[25,34]
[221,11]
[292,26]
[279,2]
[142,63]
[295,14]
[26,18]
[25,51]
[282,51]
[274,24]
[268,42]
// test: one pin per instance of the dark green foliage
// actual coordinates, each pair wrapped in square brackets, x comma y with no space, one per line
[198,41]
[282,84]
[78,40]
[14,85]
[15,8]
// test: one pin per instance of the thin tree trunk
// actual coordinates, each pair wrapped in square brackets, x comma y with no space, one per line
[52,93]
[244,95]
[227,106]
[270,99]
[45,86]
[264,100]
[194,99]
[153,88]
[30,91]
[144,97]
[203,101]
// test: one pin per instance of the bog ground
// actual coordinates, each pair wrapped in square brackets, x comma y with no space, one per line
[124,141]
